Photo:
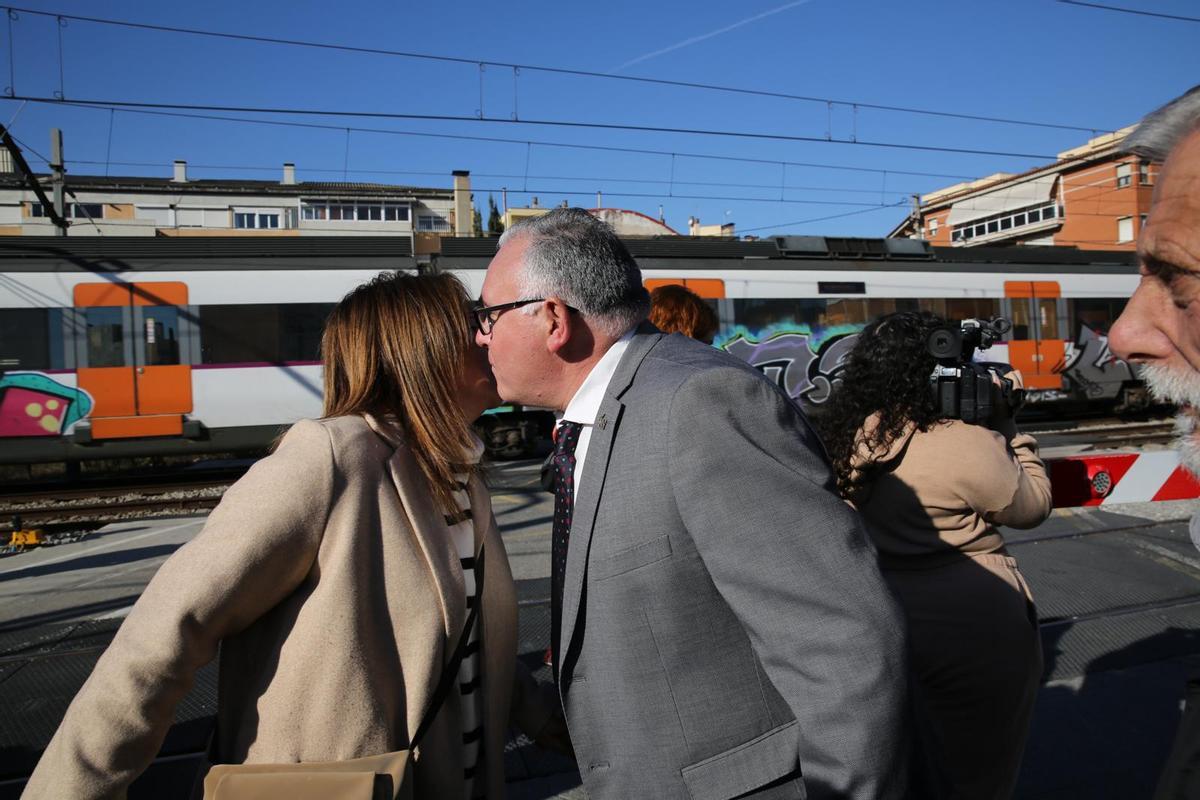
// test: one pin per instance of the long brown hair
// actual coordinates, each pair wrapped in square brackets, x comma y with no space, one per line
[395,348]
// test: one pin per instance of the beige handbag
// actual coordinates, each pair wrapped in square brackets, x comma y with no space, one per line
[382,777]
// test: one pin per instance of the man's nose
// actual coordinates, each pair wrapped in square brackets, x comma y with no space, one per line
[482,339]
[1139,334]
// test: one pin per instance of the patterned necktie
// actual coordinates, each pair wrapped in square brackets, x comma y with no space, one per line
[567,436]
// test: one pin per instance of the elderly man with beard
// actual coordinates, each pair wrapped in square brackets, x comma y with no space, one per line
[1160,330]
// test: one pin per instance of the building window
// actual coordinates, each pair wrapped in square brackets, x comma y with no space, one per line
[933,228]
[1125,229]
[1144,173]
[1124,175]
[432,222]
[1141,222]
[343,212]
[73,210]
[246,219]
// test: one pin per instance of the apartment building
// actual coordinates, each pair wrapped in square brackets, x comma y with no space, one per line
[184,206]
[1092,197]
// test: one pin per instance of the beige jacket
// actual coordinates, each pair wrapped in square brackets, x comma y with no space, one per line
[941,493]
[326,576]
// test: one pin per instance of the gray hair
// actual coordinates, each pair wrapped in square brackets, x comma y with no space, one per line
[575,256]
[1161,130]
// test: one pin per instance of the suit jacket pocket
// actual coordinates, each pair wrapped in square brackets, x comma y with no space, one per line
[746,767]
[630,559]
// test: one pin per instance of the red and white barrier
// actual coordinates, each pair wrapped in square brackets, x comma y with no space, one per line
[1101,480]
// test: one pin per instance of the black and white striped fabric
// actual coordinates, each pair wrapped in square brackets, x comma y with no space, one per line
[462,533]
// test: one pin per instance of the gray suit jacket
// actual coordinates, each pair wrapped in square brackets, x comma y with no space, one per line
[726,630]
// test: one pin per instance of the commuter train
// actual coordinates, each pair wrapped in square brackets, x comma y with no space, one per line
[118,347]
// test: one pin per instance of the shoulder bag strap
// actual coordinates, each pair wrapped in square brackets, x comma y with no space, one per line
[450,674]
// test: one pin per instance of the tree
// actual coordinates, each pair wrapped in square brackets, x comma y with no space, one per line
[476,222]
[495,224]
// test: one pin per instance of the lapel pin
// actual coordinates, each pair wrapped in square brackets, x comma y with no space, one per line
[603,422]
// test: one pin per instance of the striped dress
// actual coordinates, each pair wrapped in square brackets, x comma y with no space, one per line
[462,533]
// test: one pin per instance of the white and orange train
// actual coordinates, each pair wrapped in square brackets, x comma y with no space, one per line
[142,346]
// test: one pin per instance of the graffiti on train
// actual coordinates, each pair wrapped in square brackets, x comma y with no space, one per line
[1090,364]
[804,363]
[34,404]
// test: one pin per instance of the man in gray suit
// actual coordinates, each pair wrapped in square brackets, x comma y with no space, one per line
[720,628]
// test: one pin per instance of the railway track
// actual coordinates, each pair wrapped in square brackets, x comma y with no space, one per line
[80,505]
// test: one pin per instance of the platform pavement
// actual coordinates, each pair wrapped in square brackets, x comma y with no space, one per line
[1118,592]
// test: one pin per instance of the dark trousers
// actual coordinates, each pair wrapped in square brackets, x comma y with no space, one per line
[1180,779]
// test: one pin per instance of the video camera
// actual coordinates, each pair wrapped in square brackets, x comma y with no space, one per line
[963,389]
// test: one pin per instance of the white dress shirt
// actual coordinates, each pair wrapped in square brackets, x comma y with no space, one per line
[585,405]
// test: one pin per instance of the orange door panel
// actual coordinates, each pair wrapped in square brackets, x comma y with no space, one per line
[164,385]
[164,390]
[140,388]
[162,293]
[111,389]
[711,288]
[1036,360]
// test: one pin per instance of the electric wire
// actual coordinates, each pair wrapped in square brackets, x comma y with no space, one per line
[526,142]
[551,70]
[502,175]
[557,123]
[1139,12]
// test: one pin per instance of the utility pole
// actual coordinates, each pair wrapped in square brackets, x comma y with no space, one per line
[23,167]
[59,177]
[916,217]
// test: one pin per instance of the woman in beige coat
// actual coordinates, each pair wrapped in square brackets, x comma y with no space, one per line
[932,491]
[330,577]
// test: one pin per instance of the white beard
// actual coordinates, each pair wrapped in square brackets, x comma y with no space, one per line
[1182,389]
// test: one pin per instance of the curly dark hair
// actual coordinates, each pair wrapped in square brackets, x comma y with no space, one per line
[887,373]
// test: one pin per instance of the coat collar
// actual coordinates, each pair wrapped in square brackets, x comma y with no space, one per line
[428,525]
[599,450]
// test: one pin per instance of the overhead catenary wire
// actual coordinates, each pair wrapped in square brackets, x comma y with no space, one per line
[820,219]
[556,123]
[552,70]
[525,142]
[500,175]
[1139,12]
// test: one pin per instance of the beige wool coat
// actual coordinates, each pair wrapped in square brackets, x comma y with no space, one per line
[328,580]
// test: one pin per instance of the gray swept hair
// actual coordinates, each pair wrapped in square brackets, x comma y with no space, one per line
[575,256]
[1160,131]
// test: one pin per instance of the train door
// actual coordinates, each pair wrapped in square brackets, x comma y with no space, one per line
[1036,346]
[131,358]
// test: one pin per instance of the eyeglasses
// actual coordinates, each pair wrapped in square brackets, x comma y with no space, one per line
[484,317]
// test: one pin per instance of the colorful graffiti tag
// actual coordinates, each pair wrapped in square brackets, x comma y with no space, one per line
[1091,365]
[33,404]
[804,363]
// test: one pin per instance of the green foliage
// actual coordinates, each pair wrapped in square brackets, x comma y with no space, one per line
[495,224]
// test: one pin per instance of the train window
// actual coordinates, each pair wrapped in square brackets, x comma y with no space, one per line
[1035,214]
[1006,223]
[971,308]
[105,336]
[1019,220]
[993,226]
[877,308]
[1097,315]
[980,230]
[261,334]
[846,312]
[161,335]
[1020,320]
[758,315]
[1047,318]
[31,338]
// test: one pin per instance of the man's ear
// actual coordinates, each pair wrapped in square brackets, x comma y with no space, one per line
[560,322]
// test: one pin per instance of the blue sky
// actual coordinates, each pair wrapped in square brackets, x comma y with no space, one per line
[1034,60]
